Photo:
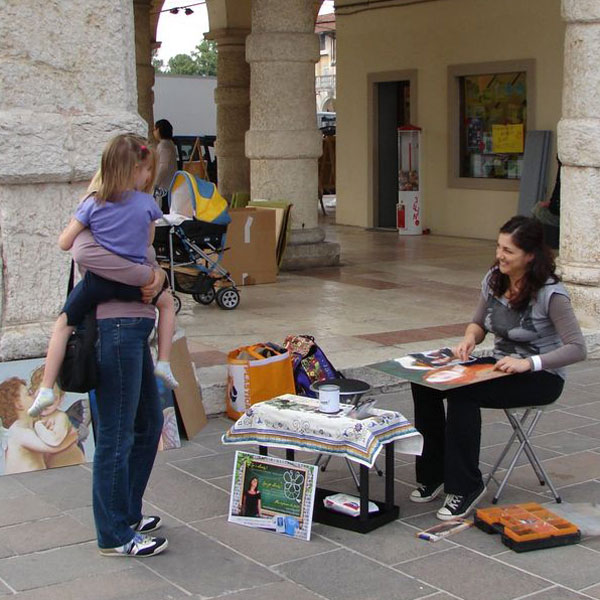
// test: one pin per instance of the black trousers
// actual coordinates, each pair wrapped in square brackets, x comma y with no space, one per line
[452,438]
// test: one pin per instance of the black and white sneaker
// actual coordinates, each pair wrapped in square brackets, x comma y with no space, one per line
[460,506]
[426,493]
[147,524]
[140,546]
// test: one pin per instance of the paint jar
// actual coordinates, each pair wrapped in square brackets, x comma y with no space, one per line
[329,398]
[291,524]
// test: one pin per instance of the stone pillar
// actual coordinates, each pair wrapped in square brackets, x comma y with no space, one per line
[143,61]
[579,151]
[232,97]
[283,143]
[67,84]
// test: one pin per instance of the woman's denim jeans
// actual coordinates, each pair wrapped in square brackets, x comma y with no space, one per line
[130,422]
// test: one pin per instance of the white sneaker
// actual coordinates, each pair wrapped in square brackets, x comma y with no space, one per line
[140,546]
[44,398]
[163,370]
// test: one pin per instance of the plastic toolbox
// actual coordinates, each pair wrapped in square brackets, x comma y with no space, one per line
[528,526]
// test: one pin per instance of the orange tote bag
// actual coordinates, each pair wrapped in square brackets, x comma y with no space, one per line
[256,373]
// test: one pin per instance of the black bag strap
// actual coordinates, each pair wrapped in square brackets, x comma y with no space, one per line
[71,278]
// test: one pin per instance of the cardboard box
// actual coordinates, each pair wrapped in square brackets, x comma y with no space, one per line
[187,394]
[251,243]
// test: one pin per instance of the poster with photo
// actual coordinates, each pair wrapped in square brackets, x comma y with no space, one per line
[59,437]
[440,369]
[273,493]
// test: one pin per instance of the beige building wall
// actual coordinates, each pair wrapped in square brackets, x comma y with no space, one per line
[429,37]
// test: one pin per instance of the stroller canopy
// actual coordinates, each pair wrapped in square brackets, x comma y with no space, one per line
[193,197]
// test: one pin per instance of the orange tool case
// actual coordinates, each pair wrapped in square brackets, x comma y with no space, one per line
[528,526]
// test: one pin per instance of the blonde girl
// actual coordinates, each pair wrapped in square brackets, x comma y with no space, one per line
[120,213]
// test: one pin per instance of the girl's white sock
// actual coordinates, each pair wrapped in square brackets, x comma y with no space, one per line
[44,398]
[163,370]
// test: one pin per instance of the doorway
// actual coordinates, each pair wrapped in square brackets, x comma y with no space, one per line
[393,110]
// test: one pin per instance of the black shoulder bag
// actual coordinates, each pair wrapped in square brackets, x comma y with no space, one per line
[79,371]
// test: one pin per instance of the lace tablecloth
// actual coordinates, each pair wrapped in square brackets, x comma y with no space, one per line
[295,422]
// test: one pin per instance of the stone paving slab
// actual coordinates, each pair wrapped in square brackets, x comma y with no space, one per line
[389,545]
[61,487]
[343,575]
[207,467]
[264,547]
[42,569]
[202,566]
[185,497]
[135,582]
[26,508]
[564,470]
[10,487]
[46,534]
[558,566]
[274,591]
[558,593]
[472,576]
[187,450]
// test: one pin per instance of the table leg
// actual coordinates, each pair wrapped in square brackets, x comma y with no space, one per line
[389,476]
[364,493]
[263,450]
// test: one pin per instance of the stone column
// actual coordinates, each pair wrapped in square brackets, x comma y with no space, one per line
[283,143]
[579,151]
[143,61]
[232,97]
[67,84]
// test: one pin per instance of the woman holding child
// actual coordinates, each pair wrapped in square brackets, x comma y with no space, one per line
[536,335]
[110,238]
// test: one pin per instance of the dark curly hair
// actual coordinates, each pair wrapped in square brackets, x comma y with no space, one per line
[165,129]
[528,235]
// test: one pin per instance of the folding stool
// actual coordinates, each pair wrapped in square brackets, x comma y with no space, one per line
[523,426]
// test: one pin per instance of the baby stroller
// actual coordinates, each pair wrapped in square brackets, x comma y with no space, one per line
[191,242]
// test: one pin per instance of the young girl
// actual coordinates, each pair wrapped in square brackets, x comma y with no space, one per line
[120,214]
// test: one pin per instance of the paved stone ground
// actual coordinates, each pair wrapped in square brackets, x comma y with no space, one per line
[48,552]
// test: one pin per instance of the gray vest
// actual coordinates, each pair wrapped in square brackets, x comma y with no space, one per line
[526,332]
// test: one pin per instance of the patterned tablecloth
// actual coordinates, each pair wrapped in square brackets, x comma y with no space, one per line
[295,422]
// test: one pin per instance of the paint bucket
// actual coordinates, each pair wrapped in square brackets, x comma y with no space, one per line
[329,398]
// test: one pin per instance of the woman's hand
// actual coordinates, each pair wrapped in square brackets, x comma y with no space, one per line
[154,287]
[464,349]
[508,364]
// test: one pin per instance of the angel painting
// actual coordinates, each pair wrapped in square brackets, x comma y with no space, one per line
[54,439]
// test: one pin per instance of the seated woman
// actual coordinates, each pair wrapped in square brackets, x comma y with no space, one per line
[536,335]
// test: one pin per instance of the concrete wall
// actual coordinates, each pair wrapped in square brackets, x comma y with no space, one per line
[429,37]
[188,102]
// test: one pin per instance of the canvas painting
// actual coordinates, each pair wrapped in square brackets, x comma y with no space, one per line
[440,369]
[59,437]
[273,494]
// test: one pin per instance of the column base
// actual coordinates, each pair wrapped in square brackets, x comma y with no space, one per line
[307,248]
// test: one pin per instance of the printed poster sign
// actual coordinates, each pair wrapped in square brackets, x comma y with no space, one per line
[440,369]
[507,139]
[273,493]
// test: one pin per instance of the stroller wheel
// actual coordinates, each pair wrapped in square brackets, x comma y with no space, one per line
[228,298]
[177,301]
[205,298]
